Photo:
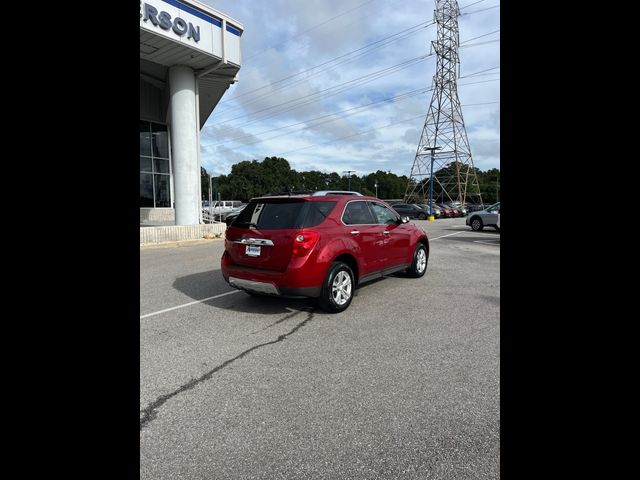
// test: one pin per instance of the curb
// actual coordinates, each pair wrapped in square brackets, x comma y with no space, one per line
[180,243]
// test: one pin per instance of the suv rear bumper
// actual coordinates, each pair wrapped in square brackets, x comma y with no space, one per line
[268,288]
[268,282]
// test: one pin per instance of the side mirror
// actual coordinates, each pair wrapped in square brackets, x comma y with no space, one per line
[405,219]
[498,211]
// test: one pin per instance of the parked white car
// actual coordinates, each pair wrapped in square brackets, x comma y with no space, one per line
[222,206]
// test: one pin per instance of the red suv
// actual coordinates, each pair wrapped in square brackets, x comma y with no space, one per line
[319,245]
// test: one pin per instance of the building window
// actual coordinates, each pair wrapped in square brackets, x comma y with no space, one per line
[155,190]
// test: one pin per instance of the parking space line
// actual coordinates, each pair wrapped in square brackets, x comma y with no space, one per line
[448,235]
[476,233]
[187,304]
[238,291]
[487,243]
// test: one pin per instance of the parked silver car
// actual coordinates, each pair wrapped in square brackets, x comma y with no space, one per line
[489,217]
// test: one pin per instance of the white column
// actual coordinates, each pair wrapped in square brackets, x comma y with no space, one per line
[184,144]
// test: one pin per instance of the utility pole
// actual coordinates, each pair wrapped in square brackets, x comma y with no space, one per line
[349,172]
[431,216]
[210,199]
[444,125]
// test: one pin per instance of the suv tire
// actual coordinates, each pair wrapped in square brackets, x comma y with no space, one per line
[337,289]
[420,259]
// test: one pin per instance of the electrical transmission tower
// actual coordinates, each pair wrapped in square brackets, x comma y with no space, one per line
[443,155]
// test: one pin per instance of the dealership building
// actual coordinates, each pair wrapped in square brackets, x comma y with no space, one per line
[189,56]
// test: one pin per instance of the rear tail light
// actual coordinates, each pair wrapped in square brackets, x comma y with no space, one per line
[304,242]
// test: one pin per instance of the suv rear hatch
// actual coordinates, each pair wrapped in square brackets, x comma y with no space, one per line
[263,235]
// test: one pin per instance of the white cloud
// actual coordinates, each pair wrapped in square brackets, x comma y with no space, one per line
[285,37]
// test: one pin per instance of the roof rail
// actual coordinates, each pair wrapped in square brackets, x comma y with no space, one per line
[281,194]
[335,192]
[320,193]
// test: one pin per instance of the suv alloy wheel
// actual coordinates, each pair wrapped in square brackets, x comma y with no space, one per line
[337,290]
[419,265]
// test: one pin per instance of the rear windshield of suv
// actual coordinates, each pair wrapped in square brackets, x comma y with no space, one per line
[283,215]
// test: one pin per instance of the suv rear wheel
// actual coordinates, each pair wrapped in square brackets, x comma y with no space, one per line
[337,290]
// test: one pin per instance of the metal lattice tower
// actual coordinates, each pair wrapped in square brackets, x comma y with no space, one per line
[454,177]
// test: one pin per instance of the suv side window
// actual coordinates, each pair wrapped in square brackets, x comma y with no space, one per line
[317,212]
[358,213]
[383,214]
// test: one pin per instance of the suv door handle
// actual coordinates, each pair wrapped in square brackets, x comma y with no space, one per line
[386,232]
[354,232]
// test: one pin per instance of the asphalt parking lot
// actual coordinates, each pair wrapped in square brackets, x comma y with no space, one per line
[403,384]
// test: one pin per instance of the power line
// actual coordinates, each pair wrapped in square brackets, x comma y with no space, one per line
[358,81]
[479,36]
[335,116]
[354,135]
[369,131]
[416,29]
[417,26]
[481,71]
[396,98]
[481,10]
[467,6]
[481,43]
[372,130]
[288,85]
[331,91]
[476,104]
[481,75]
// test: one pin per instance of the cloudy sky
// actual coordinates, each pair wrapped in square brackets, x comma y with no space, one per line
[336,85]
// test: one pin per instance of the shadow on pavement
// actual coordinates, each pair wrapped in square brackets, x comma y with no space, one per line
[208,284]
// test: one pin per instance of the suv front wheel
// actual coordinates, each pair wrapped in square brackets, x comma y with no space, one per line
[337,290]
[419,265]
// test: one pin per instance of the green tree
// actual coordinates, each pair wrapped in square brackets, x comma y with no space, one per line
[204,183]
[274,174]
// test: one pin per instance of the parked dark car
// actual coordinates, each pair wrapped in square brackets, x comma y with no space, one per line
[411,211]
[437,213]
[319,246]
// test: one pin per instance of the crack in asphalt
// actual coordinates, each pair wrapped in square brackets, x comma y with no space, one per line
[286,317]
[149,413]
